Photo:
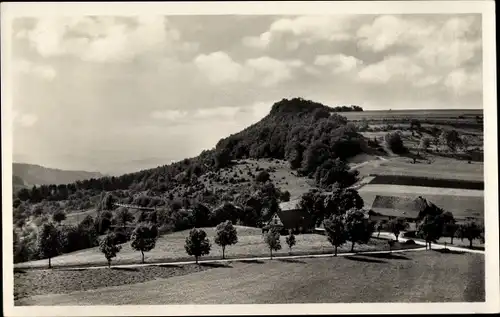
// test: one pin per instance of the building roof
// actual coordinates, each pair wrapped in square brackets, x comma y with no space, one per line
[410,206]
[294,218]
[290,205]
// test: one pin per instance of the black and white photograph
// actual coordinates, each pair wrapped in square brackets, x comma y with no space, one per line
[184,154]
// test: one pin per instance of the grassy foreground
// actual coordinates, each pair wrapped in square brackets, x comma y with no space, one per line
[421,276]
[170,248]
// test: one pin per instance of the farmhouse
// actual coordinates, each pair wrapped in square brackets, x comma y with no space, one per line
[290,217]
[390,207]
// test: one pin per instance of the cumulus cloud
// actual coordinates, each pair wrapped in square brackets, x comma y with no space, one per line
[447,42]
[102,39]
[304,29]
[462,82]
[338,63]
[43,71]
[149,80]
[220,68]
[391,68]
[24,119]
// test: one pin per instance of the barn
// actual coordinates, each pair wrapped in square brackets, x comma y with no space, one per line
[390,207]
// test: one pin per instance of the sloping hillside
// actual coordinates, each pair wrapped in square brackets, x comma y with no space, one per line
[31,174]
[309,135]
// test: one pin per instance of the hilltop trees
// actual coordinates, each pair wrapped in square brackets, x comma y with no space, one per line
[50,242]
[197,243]
[109,247]
[470,230]
[225,235]
[336,231]
[144,238]
[272,239]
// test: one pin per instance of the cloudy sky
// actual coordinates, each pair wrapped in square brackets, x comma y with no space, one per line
[118,94]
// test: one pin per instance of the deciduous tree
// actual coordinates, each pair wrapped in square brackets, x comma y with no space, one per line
[470,230]
[225,234]
[430,229]
[124,216]
[109,247]
[290,241]
[50,242]
[359,228]
[144,238]
[197,243]
[396,226]
[335,229]
[272,239]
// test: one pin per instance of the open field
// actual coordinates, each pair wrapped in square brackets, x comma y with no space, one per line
[420,190]
[424,276]
[444,168]
[170,247]
[418,114]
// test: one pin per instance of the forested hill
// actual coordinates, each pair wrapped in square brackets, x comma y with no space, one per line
[303,132]
[307,134]
[30,174]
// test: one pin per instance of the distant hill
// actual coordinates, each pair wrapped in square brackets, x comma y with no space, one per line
[30,174]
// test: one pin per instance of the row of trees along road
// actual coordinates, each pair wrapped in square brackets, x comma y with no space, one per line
[51,241]
[434,224]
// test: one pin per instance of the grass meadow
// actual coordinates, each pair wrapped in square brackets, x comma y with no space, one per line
[409,277]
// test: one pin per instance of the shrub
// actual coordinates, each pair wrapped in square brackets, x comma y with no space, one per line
[285,196]
[59,216]
[394,142]
[410,242]
[263,177]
